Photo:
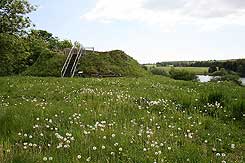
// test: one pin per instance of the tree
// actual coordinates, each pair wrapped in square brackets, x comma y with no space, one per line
[53,43]
[241,69]
[212,69]
[36,45]
[65,44]
[40,41]
[13,19]
[13,54]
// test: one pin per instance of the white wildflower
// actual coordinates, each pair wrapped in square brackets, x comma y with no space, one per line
[88,159]
[79,156]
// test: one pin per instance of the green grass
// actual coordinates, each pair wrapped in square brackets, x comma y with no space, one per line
[196,70]
[114,63]
[151,119]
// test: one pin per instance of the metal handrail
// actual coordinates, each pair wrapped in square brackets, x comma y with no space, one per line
[65,66]
[76,60]
[81,51]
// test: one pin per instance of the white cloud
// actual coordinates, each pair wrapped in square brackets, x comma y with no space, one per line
[207,14]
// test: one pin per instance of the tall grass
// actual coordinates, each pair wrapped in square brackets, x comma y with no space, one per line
[153,119]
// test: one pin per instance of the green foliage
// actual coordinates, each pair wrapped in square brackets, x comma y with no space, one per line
[223,75]
[13,19]
[65,44]
[36,46]
[17,53]
[48,40]
[221,72]
[182,75]
[13,54]
[157,71]
[48,64]
[212,69]
[40,40]
[237,66]
[241,69]
[228,77]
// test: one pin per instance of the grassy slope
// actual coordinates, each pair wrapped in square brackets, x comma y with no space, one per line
[112,62]
[125,115]
[102,63]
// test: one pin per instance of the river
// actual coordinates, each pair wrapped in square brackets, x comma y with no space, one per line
[207,78]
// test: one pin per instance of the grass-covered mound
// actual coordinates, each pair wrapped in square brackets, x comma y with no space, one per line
[112,63]
[115,63]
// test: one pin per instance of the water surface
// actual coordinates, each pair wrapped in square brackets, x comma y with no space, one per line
[207,78]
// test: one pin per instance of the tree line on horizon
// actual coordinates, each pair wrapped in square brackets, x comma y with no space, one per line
[237,66]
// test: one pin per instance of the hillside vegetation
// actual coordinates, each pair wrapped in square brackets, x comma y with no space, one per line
[112,63]
[39,53]
[142,120]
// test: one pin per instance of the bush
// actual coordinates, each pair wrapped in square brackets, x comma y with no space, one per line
[212,69]
[158,71]
[229,77]
[221,72]
[182,75]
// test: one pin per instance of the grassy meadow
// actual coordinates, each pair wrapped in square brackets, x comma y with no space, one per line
[196,70]
[128,120]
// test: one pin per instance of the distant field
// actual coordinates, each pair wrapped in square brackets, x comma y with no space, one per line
[196,70]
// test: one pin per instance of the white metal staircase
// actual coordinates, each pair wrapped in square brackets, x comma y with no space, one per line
[70,65]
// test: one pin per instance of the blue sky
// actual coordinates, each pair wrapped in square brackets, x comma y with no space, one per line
[149,30]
